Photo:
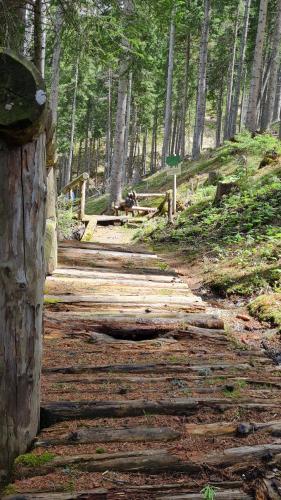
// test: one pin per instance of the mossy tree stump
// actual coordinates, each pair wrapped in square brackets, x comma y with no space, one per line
[22,221]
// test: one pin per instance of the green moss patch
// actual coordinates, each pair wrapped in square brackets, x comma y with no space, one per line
[32,460]
[267,308]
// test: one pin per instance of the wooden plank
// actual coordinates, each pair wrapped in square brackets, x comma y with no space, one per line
[110,253]
[141,196]
[160,277]
[96,494]
[233,428]
[123,299]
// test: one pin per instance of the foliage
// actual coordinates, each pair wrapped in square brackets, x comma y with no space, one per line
[32,460]
[242,235]
[66,217]
[208,492]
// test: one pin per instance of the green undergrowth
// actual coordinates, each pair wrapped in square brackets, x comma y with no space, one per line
[267,308]
[237,243]
[32,460]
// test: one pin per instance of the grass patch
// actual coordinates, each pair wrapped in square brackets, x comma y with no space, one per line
[267,308]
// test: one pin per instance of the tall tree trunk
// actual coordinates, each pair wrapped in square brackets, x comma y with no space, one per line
[230,81]
[277,104]
[274,66]
[39,35]
[127,129]
[120,121]
[73,120]
[202,84]
[22,222]
[184,100]
[133,137]
[144,144]
[154,138]
[175,129]
[219,114]
[251,120]
[51,205]
[242,113]
[118,151]
[169,94]
[240,69]
[108,152]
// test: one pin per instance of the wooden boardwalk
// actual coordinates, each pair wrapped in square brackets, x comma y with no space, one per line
[144,394]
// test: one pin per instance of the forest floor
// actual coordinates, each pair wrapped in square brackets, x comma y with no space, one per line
[145,393]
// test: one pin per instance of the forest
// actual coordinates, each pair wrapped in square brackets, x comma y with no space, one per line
[140,276]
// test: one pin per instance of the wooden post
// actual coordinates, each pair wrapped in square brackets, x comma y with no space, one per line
[80,181]
[22,222]
[175,194]
[83,200]
[170,206]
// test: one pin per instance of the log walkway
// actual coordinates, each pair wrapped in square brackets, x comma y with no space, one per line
[144,394]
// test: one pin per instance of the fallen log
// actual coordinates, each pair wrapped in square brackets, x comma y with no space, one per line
[96,494]
[124,299]
[152,368]
[153,461]
[219,495]
[107,435]
[72,410]
[231,428]
[156,460]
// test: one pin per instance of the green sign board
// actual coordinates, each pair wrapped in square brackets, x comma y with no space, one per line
[173,161]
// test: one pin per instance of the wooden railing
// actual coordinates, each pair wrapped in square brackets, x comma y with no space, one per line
[79,182]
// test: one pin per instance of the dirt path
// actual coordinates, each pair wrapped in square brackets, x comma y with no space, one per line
[144,394]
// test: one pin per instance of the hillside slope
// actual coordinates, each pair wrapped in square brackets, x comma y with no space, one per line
[236,243]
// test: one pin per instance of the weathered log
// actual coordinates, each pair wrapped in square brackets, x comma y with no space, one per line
[96,494]
[23,99]
[107,435]
[231,428]
[148,368]
[153,460]
[22,221]
[219,495]
[124,299]
[71,410]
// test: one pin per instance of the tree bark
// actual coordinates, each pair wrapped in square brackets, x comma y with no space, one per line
[22,221]
[73,120]
[240,69]
[184,100]
[39,35]
[108,153]
[202,84]
[127,130]
[120,122]
[251,119]
[273,77]
[230,81]
[169,94]
[219,114]
[51,246]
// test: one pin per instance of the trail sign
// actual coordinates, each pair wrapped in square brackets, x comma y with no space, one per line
[173,161]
